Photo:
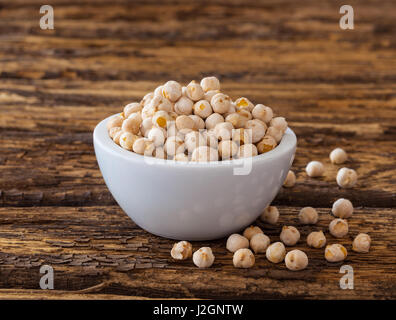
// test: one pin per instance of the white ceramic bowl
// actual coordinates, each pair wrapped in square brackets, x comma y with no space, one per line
[192,201]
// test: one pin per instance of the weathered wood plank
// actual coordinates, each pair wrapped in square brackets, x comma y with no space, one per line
[100,250]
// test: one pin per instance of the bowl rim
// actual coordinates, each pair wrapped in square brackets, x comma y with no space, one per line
[101,138]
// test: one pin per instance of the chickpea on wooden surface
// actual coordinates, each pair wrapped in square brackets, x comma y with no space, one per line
[290,180]
[296,260]
[342,208]
[308,215]
[243,258]
[335,253]
[361,243]
[181,250]
[203,258]
[249,232]
[338,228]
[316,239]
[346,178]
[276,252]
[236,241]
[289,235]
[314,169]
[338,156]
[259,242]
[270,215]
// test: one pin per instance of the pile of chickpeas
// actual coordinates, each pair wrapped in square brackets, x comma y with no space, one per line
[196,123]
[254,241]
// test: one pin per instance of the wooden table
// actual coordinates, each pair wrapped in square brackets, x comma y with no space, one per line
[336,87]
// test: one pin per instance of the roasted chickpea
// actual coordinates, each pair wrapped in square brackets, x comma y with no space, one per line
[289,235]
[338,228]
[251,231]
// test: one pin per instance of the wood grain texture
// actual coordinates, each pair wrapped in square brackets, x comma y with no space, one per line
[100,250]
[336,88]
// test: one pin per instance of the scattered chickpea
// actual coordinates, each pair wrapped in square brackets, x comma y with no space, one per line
[335,252]
[247,150]
[338,156]
[361,243]
[204,154]
[127,140]
[342,208]
[184,106]
[296,260]
[270,215]
[316,239]
[262,112]
[174,145]
[244,103]
[223,130]
[290,180]
[259,242]
[266,144]
[249,232]
[220,103]
[213,119]
[115,121]
[132,108]
[194,91]
[338,228]
[227,149]
[308,215]
[210,83]
[203,258]
[314,169]
[289,235]
[181,250]
[243,258]
[203,109]
[258,129]
[346,178]
[172,90]
[276,252]
[236,242]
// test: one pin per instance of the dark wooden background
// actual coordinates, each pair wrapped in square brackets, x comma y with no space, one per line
[337,89]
